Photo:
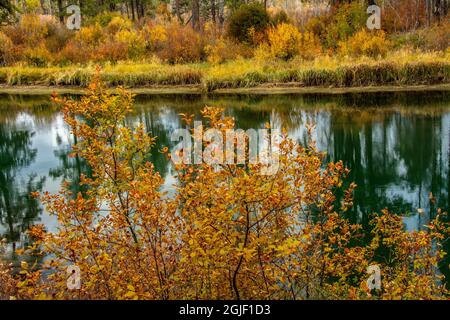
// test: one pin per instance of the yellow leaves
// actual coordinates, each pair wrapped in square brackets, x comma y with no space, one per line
[132,241]
[131,293]
[366,43]
[24,265]
[284,41]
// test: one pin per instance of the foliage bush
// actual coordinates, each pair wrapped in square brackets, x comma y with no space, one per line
[437,37]
[133,41]
[283,236]
[104,18]
[30,31]
[347,20]
[118,24]
[284,41]
[176,43]
[318,27]
[365,43]
[182,45]
[248,19]
[57,37]
[225,49]
[8,285]
[155,36]
[6,50]
[90,37]
[112,51]
[310,46]
[38,56]
[74,52]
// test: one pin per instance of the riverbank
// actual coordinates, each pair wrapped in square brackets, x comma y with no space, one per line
[273,89]
[243,75]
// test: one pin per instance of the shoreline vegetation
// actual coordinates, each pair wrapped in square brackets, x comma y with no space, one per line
[407,69]
[254,47]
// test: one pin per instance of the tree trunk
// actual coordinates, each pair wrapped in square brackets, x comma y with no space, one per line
[429,9]
[132,10]
[43,7]
[178,10]
[213,11]
[138,11]
[221,12]
[60,11]
[195,15]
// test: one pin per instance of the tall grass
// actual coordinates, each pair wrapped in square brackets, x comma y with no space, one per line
[131,75]
[402,68]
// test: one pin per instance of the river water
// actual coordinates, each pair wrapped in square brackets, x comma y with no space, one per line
[397,146]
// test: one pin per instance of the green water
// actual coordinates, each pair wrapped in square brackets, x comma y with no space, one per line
[397,146]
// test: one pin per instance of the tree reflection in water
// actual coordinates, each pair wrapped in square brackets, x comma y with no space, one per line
[397,146]
[18,209]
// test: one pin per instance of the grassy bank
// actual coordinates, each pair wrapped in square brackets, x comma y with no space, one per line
[399,69]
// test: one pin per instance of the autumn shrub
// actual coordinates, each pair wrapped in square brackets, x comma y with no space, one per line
[248,20]
[37,56]
[6,50]
[104,18]
[155,36]
[132,40]
[182,45]
[118,24]
[7,282]
[57,37]
[437,37]
[224,49]
[365,43]
[345,21]
[91,36]
[228,232]
[318,26]
[74,52]
[310,46]
[112,51]
[30,31]
[284,41]
[8,285]
[90,44]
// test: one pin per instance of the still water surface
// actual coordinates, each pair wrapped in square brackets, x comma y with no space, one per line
[397,146]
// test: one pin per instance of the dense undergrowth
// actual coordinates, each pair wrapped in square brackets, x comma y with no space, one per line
[404,68]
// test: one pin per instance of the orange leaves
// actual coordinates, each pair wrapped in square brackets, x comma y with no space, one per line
[37,232]
[225,232]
